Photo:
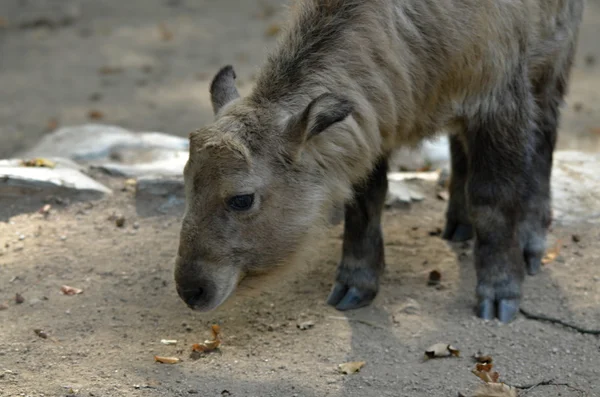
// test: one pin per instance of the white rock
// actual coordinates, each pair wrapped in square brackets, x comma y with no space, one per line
[16,180]
[433,153]
[92,142]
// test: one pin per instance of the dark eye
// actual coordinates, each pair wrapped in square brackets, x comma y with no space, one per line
[241,203]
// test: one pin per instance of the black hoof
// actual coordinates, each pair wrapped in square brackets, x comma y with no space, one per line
[504,309]
[457,232]
[344,298]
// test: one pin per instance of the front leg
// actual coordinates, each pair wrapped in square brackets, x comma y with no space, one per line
[362,264]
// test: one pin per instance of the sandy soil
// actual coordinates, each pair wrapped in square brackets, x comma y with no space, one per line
[102,342]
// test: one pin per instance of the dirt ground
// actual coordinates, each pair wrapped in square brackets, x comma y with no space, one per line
[102,342]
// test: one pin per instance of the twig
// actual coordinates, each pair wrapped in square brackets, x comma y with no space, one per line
[541,317]
[527,388]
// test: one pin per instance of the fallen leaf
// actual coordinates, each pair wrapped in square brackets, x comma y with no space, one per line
[305,325]
[3,22]
[66,290]
[443,195]
[165,33]
[39,162]
[19,298]
[168,341]
[442,350]
[435,277]
[95,114]
[595,130]
[552,253]
[45,210]
[495,390]
[209,345]
[480,358]
[166,360]
[3,306]
[351,367]
[41,333]
[273,30]
[484,372]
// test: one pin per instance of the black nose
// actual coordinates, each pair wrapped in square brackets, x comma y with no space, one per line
[196,295]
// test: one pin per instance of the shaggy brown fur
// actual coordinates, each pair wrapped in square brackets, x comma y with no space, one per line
[350,81]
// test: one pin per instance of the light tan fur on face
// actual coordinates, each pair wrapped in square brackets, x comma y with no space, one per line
[409,68]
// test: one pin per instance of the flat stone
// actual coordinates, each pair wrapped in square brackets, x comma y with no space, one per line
[99,143]
[402,193]
[65,178]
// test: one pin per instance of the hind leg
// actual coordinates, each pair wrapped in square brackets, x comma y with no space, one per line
[499,186]
[362,264]
[458,226]
[549,94]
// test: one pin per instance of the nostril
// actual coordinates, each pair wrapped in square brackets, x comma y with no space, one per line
[196,295]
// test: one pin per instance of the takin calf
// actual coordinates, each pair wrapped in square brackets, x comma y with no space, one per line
[350,81]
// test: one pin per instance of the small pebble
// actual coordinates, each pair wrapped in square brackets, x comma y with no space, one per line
[21,237]
[19,298]
[136,225]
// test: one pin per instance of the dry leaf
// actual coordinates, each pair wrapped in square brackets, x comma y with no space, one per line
[168,341]
[41,333]
[495,390]
[480,358]
[443,195]
[305,325]
[166,360]
[442,350]
[3,306]
[595,130]
[273,30]
[39,162]
[351,367]
[209,345]
[45,210]
[552,253]
[484,372]
[3,22]
[19,298]
[165,33]
[66,290]
[95,114]
[435,277]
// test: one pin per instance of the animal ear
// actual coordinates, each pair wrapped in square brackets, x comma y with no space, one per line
[222,88]
[320,114]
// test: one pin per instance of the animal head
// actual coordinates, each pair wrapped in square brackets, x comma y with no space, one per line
[255,190]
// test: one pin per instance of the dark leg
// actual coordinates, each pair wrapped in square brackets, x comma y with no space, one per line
[458,226]
[549,94]
[357,280]
[499,186]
